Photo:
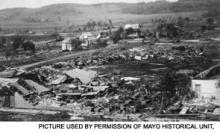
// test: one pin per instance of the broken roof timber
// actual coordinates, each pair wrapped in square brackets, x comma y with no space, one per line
[8,73]
[20,88]
[69,94]
[83,75]
[205,74]
[39,88]
[96,88]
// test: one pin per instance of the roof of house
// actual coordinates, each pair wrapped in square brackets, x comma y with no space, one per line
[211,73]
[86,34]
[133,26]
[67,40]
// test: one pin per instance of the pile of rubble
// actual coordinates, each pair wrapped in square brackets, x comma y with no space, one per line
[83,92]
[69,86]
[176,54]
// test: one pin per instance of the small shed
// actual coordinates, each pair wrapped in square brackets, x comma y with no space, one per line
[67,44]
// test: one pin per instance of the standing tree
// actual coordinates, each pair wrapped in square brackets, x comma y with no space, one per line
[116,36]
[17,42]
[76,43]
[2,42]
[28,45]
[110,23]
[88,25]
[167,87]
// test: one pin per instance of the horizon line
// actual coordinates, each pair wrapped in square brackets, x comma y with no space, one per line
[80,4]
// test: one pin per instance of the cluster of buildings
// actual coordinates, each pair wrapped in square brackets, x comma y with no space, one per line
[88,39]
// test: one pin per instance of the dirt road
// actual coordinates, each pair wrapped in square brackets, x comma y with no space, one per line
[81,53]
[62,58]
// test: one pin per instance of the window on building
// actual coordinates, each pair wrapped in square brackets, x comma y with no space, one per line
[198,90]
[218,84]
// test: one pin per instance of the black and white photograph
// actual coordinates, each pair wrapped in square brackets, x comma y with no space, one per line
[110,61]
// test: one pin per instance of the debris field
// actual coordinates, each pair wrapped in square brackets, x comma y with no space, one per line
[134,84]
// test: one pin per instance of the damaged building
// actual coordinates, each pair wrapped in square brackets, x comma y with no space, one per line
[87,39]
[207,84]
[10,97]
[19,93]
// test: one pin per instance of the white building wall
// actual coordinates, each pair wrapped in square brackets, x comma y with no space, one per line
[64,46]
[69,47]
[206,88]
[133,26]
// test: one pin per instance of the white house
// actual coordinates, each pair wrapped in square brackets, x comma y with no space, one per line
[206,88]
[207,84]
[133,26]
[67,45]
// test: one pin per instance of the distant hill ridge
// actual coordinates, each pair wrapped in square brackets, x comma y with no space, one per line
[58,13]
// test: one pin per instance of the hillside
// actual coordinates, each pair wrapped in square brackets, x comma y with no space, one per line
[76,14]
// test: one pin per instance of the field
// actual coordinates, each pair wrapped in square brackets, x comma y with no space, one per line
[117,19]
[45,52]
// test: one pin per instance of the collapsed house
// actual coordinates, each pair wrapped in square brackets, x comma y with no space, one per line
[87,39]
[10,97]
[205,100]
[84,76]
[19,93]
[7,73]
[104,34]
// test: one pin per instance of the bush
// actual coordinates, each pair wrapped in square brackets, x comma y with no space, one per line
[28,45]
[101,43]
[76,42]
[17,41]
[129,31]
[116,36]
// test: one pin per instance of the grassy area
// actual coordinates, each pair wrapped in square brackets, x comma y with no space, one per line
[117,19]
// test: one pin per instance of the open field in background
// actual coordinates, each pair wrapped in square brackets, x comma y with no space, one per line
[60,16]
[117,19]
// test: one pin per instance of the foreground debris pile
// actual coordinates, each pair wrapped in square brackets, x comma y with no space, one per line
[71,86]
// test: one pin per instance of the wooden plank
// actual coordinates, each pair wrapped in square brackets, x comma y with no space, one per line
[28,111]
[177,115]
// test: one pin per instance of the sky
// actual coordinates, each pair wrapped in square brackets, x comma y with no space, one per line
[39,3]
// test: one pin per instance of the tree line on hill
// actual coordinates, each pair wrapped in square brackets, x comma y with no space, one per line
[169,7]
